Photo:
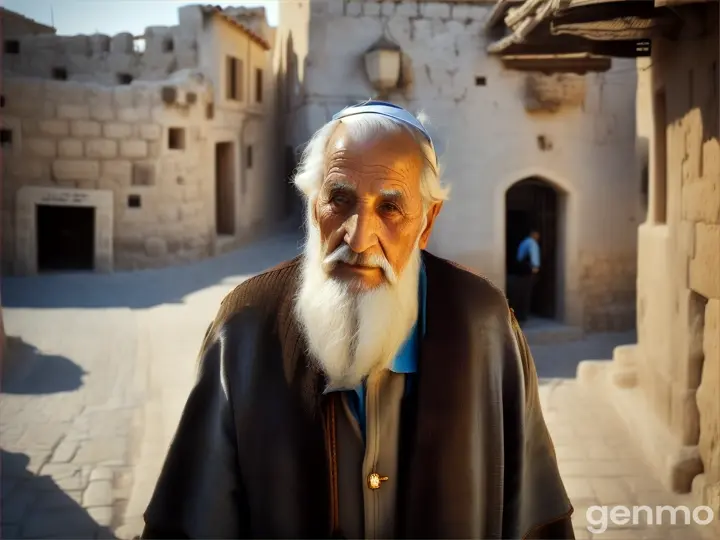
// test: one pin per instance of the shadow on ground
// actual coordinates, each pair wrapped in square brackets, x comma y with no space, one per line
[145,288]
[25,370]
[37,507]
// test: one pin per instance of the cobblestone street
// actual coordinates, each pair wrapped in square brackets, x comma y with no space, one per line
[100,367]
[67,404]
[601,467]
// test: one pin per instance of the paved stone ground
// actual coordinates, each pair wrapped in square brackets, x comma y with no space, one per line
[178,330]
[108,353]
[601,467]
[75,383]
[67,400]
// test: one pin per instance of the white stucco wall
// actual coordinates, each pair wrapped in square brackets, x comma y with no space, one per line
[243,122]
[489,140]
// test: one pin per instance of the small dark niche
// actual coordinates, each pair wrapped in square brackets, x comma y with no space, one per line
[59,74]
[134,201]
[124,78]
[168,94]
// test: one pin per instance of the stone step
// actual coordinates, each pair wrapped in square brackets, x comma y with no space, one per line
[550,332]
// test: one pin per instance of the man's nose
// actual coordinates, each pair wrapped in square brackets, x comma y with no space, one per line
[360,232]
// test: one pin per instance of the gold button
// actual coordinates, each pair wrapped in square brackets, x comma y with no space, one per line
[374,480]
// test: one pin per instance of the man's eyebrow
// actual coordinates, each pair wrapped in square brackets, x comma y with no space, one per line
[340,186]
[394,195]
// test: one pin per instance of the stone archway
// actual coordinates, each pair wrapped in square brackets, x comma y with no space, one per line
[534,204]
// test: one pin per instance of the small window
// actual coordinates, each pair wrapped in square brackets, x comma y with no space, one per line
[134,201]
[480,81]
[176,138]
[168,45]
[6,137]
[234,79]
[249,157]
[60,74]
[124,78]
[12,46]
[258,85]
[210,111]
[2,102]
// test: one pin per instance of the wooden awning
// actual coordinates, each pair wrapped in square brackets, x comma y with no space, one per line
[579,63]
[499,11]
[609,20]
[621,28]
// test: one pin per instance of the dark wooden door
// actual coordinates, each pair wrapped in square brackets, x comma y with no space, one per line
[65,238]
[530,204]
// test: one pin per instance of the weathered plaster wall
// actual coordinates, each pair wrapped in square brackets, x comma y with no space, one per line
[678,352]
[489,134]
[292,49]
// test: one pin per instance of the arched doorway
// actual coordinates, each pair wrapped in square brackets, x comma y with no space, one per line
[533,203]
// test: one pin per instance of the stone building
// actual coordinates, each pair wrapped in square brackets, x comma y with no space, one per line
[13,25]
[667,385]
[518,143]
[124,152]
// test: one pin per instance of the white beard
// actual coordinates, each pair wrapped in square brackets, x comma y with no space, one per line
[351,335]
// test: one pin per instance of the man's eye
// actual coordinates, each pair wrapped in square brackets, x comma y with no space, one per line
[339,200]
[389,208]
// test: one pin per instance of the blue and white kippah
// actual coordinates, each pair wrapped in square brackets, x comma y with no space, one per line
[386,109]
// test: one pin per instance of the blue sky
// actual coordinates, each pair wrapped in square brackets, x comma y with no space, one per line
[114,16]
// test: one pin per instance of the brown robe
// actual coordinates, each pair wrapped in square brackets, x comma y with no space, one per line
[250,458]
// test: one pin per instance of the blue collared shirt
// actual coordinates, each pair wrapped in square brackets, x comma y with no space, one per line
[406,360]
[529,244]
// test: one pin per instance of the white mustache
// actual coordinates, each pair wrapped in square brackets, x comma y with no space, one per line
[343,254]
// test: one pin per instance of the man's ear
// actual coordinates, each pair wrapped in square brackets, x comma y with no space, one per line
[432,213]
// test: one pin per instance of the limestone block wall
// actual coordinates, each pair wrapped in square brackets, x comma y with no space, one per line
[104,59]
[608,283]
[491,132]
[678,353]
[146,143]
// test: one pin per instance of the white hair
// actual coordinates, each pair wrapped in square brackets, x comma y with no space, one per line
[311,170]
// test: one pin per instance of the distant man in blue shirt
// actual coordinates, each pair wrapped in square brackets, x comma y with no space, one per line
[528,257]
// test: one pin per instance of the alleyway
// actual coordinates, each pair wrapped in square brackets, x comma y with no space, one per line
[101,366]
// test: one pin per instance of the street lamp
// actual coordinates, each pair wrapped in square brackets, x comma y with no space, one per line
[382,65]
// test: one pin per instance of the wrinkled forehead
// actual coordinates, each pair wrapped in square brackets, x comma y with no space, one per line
[394,151]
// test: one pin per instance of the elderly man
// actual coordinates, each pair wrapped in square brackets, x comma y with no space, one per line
[366,389]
